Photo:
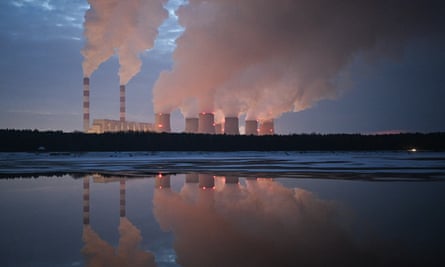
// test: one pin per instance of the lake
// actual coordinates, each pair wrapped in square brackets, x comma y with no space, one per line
[222,209]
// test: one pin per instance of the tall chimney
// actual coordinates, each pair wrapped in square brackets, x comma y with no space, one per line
[251,127]
[162,122]
[191,125]
[122,103]
[267,127]
[86,104]
[231,126]
[206,123]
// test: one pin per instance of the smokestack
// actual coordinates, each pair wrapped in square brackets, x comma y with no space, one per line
[267,127]
[86,104]
[219,128]
[206,123]
[122,102]
[191,125]
[231,126]
[162,122]
[251,127]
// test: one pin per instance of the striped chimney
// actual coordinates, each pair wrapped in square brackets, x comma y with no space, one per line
[122,103]
[86,104]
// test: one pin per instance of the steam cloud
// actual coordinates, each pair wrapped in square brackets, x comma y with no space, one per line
[262,58]
[127,28]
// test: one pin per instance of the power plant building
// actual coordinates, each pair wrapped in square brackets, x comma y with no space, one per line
[104,125]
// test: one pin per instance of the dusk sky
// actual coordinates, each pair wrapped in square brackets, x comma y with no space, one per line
[395,84]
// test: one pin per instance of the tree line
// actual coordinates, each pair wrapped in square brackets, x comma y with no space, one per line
[33,140]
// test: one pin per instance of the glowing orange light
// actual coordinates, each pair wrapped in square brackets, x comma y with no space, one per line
[160,125]
[160,175]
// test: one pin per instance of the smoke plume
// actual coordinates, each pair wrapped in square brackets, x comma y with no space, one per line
[127,28]
[262,58]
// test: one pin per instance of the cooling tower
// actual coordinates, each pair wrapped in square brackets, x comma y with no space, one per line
[251,127]
[162,122]
[231,126]
[191,178]
[232,180]
[122,103]
[206,123]
[86,104]
[191,125]
[219,128]
[267,127]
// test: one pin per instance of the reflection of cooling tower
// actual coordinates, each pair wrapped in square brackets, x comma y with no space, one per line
[122,198]
[162,122]
[206,181]
[267,128]
[162,181]
[219,128]
[231,126]
[232,180]
[251,127]
[86,104]
[122,103]
[206,123]
[191,178]
[191,125]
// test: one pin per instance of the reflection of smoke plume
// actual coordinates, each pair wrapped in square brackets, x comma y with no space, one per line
[129,251]
[263,57]
[97,252]
[264,224]
[128,27]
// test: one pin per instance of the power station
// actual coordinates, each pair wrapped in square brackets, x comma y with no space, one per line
[203,124]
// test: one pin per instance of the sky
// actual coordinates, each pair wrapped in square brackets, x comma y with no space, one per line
[41,71]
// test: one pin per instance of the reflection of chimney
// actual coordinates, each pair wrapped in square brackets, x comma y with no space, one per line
[231,126]
[251,127]
[191,125]
[162,122]
[86,104]
[206,181]
[206,123]
[162,181]
[219,128]
[86,200]
[122,103]
[191,178]
[267,127]
[122,198]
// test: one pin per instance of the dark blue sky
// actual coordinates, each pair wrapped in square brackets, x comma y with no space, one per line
[41,79]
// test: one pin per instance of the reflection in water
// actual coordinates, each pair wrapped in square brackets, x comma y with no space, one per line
[259,224]
[97,252]
[218,221]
